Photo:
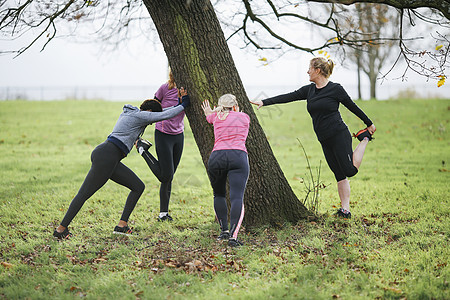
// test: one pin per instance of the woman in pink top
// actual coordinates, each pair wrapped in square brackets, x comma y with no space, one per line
[228,160]
[169,141]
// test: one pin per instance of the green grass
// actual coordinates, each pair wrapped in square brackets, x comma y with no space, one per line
[395,247]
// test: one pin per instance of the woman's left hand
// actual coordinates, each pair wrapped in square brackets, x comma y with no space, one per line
[371,129]
[182,92]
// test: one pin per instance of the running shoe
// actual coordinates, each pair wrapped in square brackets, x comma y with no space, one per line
[165,218]
[66,234]
[224,235]
[123,230]
[342,213]
[363,133]
[142,145]
[234,243]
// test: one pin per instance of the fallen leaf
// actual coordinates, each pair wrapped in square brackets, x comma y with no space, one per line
[7,265]
[395,290]
[139,293]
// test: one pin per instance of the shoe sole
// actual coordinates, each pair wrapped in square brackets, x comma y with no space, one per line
[364,133]
[122,233]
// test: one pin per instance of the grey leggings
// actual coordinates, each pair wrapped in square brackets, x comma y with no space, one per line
[106,165]
[231,165]
[169,149]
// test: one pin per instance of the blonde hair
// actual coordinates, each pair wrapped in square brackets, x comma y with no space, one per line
[224,105]
[171,80]
[324,65]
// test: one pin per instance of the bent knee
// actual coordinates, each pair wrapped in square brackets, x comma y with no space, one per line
[351,172]
[140,187]
[343,174]
[166,178]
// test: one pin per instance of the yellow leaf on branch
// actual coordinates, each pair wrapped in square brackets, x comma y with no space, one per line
[441,81]
[439,47]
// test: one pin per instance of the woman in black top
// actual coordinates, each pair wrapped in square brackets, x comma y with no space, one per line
[323,98]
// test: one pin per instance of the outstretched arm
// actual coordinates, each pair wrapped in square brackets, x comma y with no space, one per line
[149,117]
[299,94]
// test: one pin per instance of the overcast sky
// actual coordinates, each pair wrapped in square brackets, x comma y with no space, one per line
[141,64]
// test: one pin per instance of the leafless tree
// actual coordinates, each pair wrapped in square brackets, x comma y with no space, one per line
[375,21]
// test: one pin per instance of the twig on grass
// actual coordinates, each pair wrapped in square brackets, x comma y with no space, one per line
[312,185]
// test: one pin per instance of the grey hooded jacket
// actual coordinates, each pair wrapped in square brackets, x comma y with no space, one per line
[132,123]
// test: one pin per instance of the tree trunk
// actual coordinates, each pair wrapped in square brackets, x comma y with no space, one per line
[358,66]
[372,72]
[373,87]
[201,61]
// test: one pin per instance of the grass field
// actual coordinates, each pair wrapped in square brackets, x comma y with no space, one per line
[395,247]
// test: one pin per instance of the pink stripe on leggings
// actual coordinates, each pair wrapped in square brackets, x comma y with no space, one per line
[238,226]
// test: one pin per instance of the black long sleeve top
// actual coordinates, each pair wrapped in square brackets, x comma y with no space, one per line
[323,106]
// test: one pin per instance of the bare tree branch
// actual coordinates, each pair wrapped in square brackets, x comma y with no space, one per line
[418,61]
[442,5]
[331,24]
[258,20]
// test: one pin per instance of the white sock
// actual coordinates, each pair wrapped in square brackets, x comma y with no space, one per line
[163,214]
[141,150]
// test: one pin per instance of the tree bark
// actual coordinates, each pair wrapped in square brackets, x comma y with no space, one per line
[201,61]
[372,72]
[358,70]
[442,5]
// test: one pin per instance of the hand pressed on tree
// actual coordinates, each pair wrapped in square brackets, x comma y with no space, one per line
[185,100]
[258,103]
[206,107]
[182,92]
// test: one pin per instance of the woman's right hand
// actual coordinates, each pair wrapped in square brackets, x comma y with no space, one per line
[258,103]
[206,108]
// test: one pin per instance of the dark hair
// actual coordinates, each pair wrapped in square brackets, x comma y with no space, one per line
[151,104]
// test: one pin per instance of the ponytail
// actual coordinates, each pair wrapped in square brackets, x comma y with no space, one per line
[325,66]
[171,80]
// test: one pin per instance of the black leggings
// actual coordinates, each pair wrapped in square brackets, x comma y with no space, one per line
[231,164]
[106,165]
[339,155]
[169,149]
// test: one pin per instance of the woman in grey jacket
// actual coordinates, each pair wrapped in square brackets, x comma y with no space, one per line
[106,160]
